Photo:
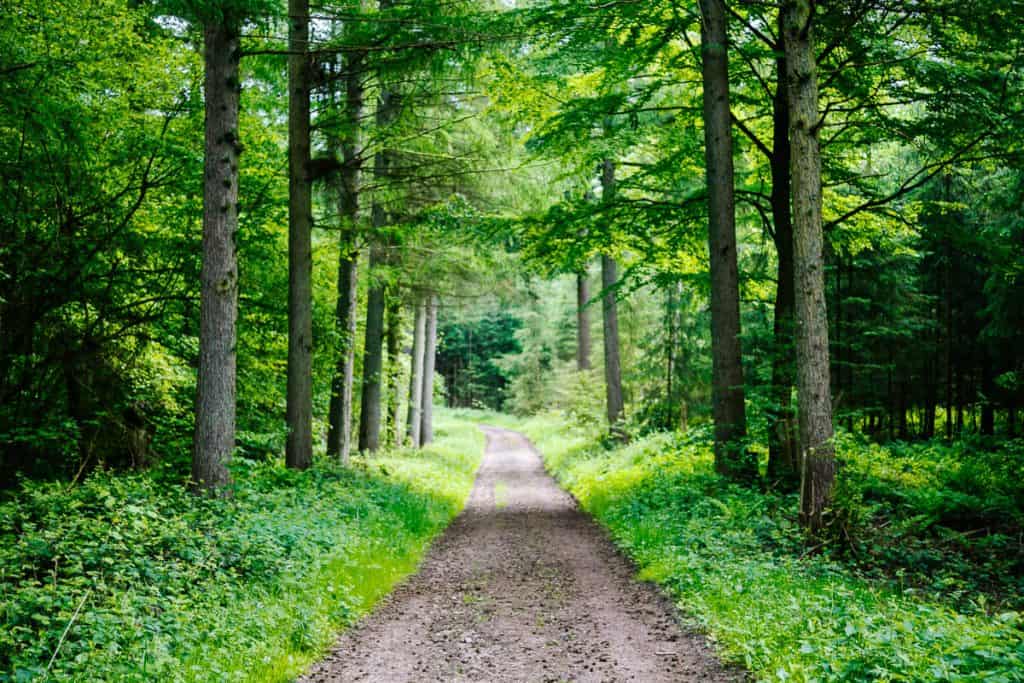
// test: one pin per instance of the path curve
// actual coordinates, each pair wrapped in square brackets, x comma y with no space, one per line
[521,587]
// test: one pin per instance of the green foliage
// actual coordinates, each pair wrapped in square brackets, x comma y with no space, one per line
[173,587]
[736,563]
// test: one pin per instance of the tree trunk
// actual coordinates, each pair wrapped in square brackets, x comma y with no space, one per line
[610,311]
[370,408]
[299,446]
[214,438]
[373,352]
[416,374]
[672,322]
[394,334]
[988,392]
[782,448]
[582,321]
[429,356]
[339,435]
[813,387]
[727,393]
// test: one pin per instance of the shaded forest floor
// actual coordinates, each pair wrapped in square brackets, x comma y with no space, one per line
[896,595]
[130,577]
[522,587]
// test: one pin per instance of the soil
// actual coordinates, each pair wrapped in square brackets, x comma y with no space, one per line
[522,587]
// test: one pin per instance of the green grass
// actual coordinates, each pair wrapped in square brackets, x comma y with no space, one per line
[254,588]
[736,564]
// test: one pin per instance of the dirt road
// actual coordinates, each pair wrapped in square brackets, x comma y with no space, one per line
[522,587]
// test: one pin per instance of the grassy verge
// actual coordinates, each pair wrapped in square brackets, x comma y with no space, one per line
[136,580]
[735,562]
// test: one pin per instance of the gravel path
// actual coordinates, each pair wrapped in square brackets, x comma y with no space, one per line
[521,587]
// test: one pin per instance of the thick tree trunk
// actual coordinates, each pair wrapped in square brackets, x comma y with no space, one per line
[813,386]
[394,338]
[416,374]
[373,352]
[339,435]
[214,437]
[582,321]
[299,446]
[782,448]
[429,356]
[727,390]
[610,312]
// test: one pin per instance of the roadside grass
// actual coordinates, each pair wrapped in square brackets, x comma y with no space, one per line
[738,567]
[131,578]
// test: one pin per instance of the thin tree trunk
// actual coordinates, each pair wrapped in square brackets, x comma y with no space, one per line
[727,390]
[672,322]
[339,435]
[416,375]
[373,352]
[394,334]
[988,392]
[612,364]
[582,321]
[429,354]
[782,448]
[299,446]
[610,311]
[370,407]
[214,437]
[813,387]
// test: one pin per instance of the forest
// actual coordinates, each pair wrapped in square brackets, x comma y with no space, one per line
[749,275]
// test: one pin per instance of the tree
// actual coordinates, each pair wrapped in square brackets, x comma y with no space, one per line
[582,321]
[609,307]
[812,351]
[416,374]
[429,356]
[214,438]
[299,447]
[731,458]
[339,435]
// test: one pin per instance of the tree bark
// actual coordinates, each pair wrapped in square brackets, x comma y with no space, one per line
[373,352]
[782,448]
[727,390]
[610,313]
[299,446]
[214,438]
[429,356]
[416,374]
[582,321]
[339,435]
[813,385]
[394,334]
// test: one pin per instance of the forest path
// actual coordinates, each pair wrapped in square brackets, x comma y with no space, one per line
[521,587]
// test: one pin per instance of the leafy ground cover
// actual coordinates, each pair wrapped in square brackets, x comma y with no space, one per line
[735,561]
[131,578]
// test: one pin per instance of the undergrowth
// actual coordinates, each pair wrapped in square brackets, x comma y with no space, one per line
[131,578]
[737,564]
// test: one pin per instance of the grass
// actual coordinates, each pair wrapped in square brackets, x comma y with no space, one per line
[172,587]
[735,562]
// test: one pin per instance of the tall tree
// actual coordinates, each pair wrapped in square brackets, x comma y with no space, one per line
[299,446]
[614,403]
[339,435]
[582,320]
[416,373]
[215,387]
[394,339]
[429,358]
[812,351]
[727,369]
